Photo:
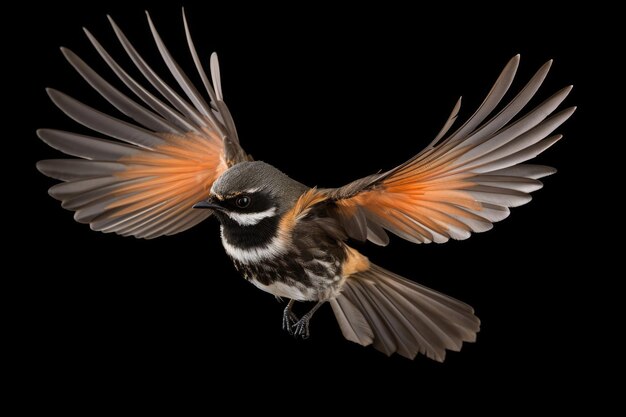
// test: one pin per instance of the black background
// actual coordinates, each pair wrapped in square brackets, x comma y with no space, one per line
[327,96]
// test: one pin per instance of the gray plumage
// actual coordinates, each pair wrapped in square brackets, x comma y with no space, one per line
[260,176]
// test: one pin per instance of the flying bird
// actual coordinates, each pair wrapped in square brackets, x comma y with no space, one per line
[176,160]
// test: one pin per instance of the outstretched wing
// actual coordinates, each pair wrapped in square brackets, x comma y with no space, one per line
[465,182]
[145,181]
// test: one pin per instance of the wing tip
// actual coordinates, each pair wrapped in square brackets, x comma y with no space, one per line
[511,67]
[116,28]
[41,132]
[68,54]
[457,106]
[41,166]
[53,93]
[546,172]
[568,112]
[57,96]
[545,68]
[89,35]
[567,89]
[150,22]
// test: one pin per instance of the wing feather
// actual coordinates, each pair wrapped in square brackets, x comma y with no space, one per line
[124,104]
[152,101]
[145,180]
[179,75]
[467,181]
[165,90]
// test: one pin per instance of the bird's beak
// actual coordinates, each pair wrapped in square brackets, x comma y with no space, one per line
[209,203]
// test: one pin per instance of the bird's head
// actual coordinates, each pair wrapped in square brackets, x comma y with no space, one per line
[250,192]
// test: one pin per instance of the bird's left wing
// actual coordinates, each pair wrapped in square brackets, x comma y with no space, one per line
[145,181]
[465,182]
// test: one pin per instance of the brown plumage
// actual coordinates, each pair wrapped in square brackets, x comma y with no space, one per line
[174,153]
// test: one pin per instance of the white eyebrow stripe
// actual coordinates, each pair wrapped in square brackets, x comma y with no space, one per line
[250,219]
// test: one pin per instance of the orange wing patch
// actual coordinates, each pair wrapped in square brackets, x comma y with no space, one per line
[301,209]
[178,174]
[419,203]
[160,186]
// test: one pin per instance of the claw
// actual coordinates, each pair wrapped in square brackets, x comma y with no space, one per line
[289,319]
[298,327]
[301,328]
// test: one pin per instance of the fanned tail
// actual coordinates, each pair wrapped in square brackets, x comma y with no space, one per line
[394,314]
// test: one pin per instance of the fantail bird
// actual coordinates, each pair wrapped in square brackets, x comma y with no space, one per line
[284,237]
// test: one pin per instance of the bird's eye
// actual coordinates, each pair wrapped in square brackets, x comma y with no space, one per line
[242,202]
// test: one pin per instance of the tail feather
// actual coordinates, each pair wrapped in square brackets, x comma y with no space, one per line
[383,336]
[394,314]
[353,325]
[394,320]
[428,337]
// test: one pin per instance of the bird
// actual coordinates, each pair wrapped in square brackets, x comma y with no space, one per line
[172,158]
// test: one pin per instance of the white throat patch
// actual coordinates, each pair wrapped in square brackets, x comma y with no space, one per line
[250,219]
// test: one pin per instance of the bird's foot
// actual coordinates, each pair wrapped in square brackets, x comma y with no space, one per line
[301,327]
[289,319]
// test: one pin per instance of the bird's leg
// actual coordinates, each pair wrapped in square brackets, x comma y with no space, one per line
[289,318]
[301,328]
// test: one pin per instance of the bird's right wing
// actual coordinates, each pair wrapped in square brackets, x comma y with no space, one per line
[145,181]
[462,183]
